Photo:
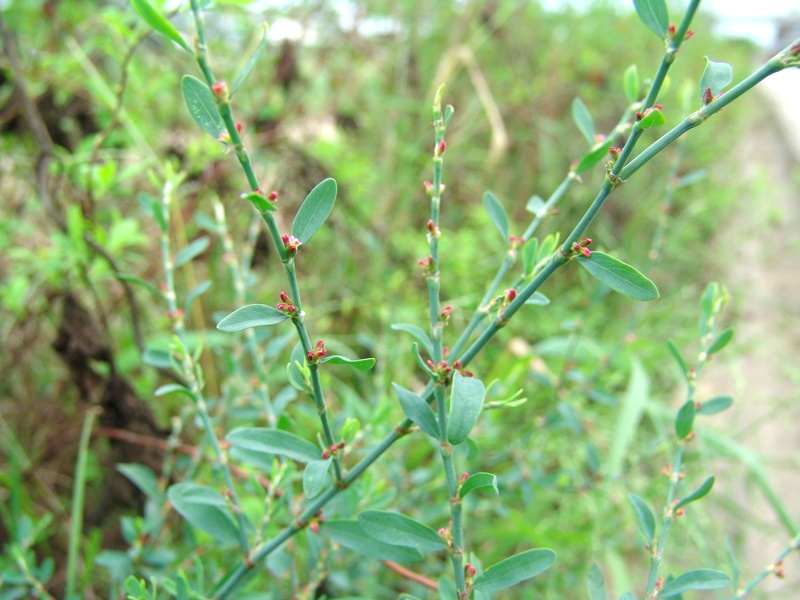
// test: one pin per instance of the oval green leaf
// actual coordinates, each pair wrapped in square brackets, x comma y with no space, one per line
[315,210]
[630,84]
[722,340]
[697,494]
[251,62]
[204,508]
[466,400]
[418,333]
[315,477]
[479,481]
[653,13]
[497,214]
[653,118]
[644,517]
[274,441]
[399,530]
[583,120]
[596,583]
[684,420]
[202,106]
[252,315]
[717,76]
[174,387]
[191,251]
[595,156]
[361,364]
[349,534]
[714,405]
[619,276]
[534,204]
[673,350]
[159,24]
[515,569]
[538,299]
[200,289]
[699,579]
[417,410]
[143,478]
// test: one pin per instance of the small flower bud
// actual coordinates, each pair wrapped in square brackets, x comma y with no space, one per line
[285,297]
[510,295]
[586,242]
[444,313]
[314,527]
[272,196]
[326,454]
[464,477]
[689,35]
[428,187]
[680,513]
[586,252]
[433,229]
[671,30]
[708,96]
[239,127]
[220,89]
[441,148]
[614,152]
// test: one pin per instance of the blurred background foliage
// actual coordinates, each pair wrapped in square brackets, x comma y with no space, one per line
[345,91]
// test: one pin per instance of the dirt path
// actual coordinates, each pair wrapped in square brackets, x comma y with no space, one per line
[762,242]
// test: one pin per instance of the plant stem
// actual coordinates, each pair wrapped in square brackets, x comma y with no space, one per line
[189,366]
[78,494]
[224,106]
[793,545]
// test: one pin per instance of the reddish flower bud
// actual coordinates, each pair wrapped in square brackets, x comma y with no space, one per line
[441,148]
[314,527]
[586,242]
[671,30]
[285,297]
[510,295]
[639,116]
[614,152]
[708,96]
[464,477]
[326,454]
[239,127]
[680,513]
[689,35]
[219,88]
[586,252]
[273,196]
[428,187]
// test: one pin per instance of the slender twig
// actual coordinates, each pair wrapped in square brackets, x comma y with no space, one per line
[774,567]
[411,575]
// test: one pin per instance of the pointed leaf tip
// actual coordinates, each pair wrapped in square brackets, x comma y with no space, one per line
[315,210]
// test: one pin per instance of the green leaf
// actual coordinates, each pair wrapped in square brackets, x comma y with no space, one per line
[315,477]
[479,481]
[466,400]
[361,364]
[619,276]
[274,441]
[140,282]
[633,405]
[538,299]
[349,534]
[715,405]
[583,119]
[204,508]
[653,118]
[534,204]
[252,315]
[202,106]
[447,589]
[653,14]
[717,76]
[298,371]
[155,357]
[200,289]
[194,249]
[594,156]
[684,420]
[697,494]
[421,362]
[143,478]
[159,24]
[417,410]
[174,387]
[515,569]
[596,583]
[262,204]
[418,333]
[699,579]
[630,83]
[315,210]
[722,340]
[644,516]
[251,62]
[529,253]
[400,530]
[673,349]
[497,214]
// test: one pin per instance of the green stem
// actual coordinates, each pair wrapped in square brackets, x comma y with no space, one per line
[792,546]
[78,494]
